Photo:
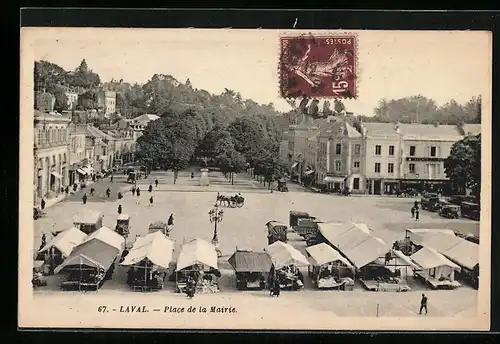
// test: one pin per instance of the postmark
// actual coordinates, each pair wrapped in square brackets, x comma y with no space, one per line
[320,66]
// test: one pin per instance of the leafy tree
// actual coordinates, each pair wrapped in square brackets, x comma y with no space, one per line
[61,103]
[226,157]
[463,165]
[87,101]
[248,136]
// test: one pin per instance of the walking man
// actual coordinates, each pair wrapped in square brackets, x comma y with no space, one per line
[423,304]
[42,204]
[119,209]
[84,198]
[138,192]
[111,178]
[133,190]
[156,182]
[150,189]
[151,201]
[412,212]
[108,192]
[416,214]
[92,191]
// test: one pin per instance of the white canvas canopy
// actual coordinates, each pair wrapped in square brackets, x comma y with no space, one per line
[99,250]
[429,258]
[87,216]
[282,254]
[323,253]
[155,246]
[197,252]
[66,241]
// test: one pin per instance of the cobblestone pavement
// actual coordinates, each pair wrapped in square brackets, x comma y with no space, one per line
[244,228]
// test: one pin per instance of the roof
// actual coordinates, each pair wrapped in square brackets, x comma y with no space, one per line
[249,261]
[146,117]
[473,129]
[430,131]
[197,251]
[282,254]
[108,237]
[66,241]
[351,131]
[323,253]
[95,132]
[123,217]
[92,253]
[158,225]
[376,128]
[87,216]
[355,241]
[155,246]
[459,250]
[429,258]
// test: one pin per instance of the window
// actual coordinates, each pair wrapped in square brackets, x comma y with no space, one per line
[377,167]
[378,149]
[356,164]
[40,137]
[433,151]
[411,167]
[338,148]
[390,167]
[391,150]
[412,150]
[357,149]
[337,165]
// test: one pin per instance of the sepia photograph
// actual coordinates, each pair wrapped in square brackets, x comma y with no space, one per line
[255,179]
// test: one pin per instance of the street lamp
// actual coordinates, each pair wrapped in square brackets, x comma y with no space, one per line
[215,216]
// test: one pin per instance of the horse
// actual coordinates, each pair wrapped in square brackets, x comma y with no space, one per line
[221,199]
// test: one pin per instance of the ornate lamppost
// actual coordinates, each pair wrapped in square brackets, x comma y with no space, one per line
[215,216]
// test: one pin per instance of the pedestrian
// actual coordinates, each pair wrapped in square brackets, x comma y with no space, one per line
[156,182]
[412,212]
[75,186]
[44,241]
[92,191]
[138,191]
[119,209]
[120,196]
[93,178]
[84,198]
[416,214]
[151,201]
[150,188]
[415,205]
[111,178]
[108,192]
[277,287]
[66,190]
[192,175]
[133,190]
[171,220]
[42,204]
[423,304]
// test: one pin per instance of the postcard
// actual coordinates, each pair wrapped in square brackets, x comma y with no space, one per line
[255,179]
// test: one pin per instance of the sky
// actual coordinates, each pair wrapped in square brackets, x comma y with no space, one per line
[441,65]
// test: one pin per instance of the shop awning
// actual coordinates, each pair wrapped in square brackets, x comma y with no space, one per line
[197,252]
[155,246]
[309,172]
[282,254]
[81,171]
[329,179]
[66,241]
[323,253]
[57,175]
[295,164]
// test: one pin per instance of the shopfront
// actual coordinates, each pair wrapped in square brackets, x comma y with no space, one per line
[438,186]
[334,183]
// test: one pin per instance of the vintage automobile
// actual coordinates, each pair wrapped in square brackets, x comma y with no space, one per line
[276,231]
[132,177]
[303,224]
[282,185]
[470,210]
[429,201]
[450,211]
[123,225]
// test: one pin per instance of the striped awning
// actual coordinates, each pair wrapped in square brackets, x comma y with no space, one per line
[57,175]
[81,171]
[331,179]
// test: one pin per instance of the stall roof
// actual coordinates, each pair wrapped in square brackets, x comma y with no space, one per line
[284,254]
[249,261]
[107,236]
[459,250]
[276,223]
[87,216]
[155,246]
[66,241]
[367,251]
[123,217]
[93,253]
[197,251]
[323,253]
[429,258]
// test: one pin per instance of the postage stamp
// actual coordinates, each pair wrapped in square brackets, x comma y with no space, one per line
[318,66]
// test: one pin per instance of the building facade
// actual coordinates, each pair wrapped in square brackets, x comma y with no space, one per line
[51,155]
[45,102]
[106,100]
[72,97]
[139,123]
[78,162]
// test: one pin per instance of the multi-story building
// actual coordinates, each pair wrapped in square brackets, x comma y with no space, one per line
[51,158]
[103,148]
[139,123]
[72,97]
[382,157]
[77,161]
[284,147]
[340,152]
[106,100]
[45,102]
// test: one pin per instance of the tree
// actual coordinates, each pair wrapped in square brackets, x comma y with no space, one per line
[226,157]
[248,136]
[313,110]
[61,103]
[463,165]
[82,68]
[87,101]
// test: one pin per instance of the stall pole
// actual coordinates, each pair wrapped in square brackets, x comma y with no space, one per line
[377,309]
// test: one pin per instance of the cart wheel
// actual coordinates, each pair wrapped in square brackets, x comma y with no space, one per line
[239,205]
[232,204]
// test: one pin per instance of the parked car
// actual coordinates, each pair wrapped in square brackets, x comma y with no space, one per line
[429,201]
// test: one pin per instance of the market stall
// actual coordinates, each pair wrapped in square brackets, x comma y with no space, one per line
[435,269]
[328,269]
[88,221]
[286,261]
[251,269]
[61,247]
[197,260]
[149,261]
[91,262]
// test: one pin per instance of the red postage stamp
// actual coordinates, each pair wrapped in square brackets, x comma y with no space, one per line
[318,66]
